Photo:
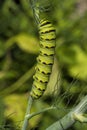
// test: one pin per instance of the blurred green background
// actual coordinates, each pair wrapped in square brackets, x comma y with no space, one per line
[19,47]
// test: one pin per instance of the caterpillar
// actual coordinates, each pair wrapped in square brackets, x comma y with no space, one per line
[45,58]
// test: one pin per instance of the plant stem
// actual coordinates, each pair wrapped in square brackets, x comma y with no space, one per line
[69,119]
[25,124]
[29,116]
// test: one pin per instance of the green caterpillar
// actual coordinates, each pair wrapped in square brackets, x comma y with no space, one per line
[45,59]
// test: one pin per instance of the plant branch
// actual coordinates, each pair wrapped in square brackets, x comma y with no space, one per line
[29,116]
[69,119]
[25,124]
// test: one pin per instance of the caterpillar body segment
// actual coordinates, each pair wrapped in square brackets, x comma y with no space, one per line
[41,86]
[45,59]
[48,36]
[41,77]
[36,93]
[46,44]
[40,67]
[47,51]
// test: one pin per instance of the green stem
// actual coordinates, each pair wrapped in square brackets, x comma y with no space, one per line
[69,119]
[29,116]
[25,124]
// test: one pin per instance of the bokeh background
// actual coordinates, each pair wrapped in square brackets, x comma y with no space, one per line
[19,47]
